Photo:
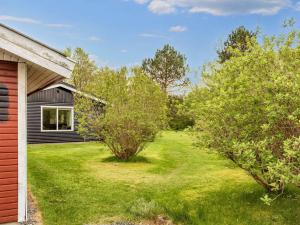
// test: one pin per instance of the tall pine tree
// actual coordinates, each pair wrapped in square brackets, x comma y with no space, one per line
[238,39]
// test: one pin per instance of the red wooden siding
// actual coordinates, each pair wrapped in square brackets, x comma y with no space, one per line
[8,142]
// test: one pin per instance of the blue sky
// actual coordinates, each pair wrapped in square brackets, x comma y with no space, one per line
[123,32]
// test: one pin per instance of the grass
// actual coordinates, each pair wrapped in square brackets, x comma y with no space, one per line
[83,184]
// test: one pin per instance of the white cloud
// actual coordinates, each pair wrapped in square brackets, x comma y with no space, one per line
[94,38]
[124,51]
[161,7]
[32,21]
[141,1]
[297,6]
[213,11]
[99,62]
[178,29]
[133,64]
[58,25]
[151,35]
[19,19]
[218,7]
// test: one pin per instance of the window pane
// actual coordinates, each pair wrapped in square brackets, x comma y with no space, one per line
[49,119]
[64,119]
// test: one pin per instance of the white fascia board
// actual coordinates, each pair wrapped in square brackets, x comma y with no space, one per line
[76,91]
[22,142]
[35,52]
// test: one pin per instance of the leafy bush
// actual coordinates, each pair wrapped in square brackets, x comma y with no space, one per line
[249,110]
[178,117]
[134,113]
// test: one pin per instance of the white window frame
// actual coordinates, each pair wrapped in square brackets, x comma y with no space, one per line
[57,108]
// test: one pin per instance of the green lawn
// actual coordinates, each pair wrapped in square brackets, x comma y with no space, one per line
[82,184]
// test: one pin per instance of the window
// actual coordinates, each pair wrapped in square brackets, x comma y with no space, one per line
[57,118]
[49,119]
[3,102]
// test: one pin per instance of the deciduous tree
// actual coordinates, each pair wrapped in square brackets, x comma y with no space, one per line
[84,70]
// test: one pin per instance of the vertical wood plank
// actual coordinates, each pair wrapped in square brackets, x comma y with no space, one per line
[8,141]
[22,142]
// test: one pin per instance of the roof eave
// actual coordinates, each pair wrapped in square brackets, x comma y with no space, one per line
[76,91]
[35,52]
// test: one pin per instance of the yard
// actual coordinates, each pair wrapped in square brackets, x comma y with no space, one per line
[83,184]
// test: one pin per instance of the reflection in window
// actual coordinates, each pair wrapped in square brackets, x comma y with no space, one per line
[49,119]
[57,119]
[64,119]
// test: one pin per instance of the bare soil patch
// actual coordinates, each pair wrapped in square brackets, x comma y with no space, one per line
[34,215]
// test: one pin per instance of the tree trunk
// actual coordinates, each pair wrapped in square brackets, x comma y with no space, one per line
[261,182]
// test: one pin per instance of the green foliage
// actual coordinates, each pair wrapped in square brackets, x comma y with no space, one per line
[84,70]
[142,208]
[168,68]
[249,110]
[266,199]
[238,39]
[290,22]
[178,117]
[135,111]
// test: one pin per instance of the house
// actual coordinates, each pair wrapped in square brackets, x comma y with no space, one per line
[50,114]
[26,66]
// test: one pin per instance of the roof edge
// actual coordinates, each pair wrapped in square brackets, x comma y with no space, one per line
[35,52]
[73,89]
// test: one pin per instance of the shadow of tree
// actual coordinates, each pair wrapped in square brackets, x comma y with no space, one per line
[241,202]
[134,159]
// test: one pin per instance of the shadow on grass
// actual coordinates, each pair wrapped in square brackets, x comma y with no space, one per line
[135,159]
[237,203]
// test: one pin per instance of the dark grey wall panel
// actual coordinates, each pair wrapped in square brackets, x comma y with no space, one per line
[51,97]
